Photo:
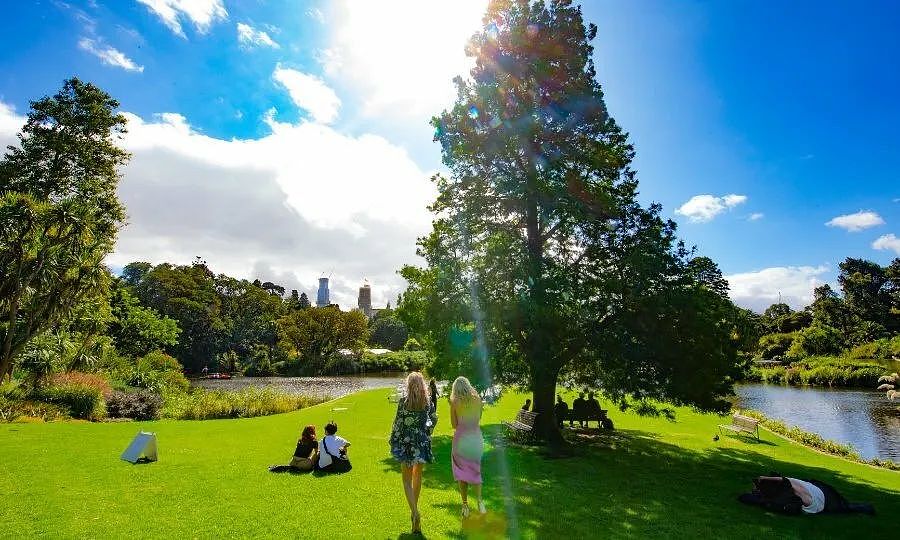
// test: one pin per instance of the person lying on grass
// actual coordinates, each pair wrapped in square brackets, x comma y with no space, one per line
[793,496]
[333,451]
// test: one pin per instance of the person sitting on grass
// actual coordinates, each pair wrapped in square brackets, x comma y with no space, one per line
[561,410]
[305,455]
[333,451]
[307,452]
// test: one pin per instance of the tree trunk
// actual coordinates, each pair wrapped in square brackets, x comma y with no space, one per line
[543,387]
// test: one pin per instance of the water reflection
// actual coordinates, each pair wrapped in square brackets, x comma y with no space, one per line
[867,420]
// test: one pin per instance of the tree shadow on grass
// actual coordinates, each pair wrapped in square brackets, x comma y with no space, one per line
[630,484]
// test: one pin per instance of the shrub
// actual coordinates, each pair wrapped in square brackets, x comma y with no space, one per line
[158,361]
[139,405]
[77,378]
[412,344]
[156,381]
[394,361]
[81,401]
[15,410]
[815,340]
[205,404]
[881,349]
[772,345]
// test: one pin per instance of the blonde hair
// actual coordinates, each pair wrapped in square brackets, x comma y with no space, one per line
[463,391]
[417,397]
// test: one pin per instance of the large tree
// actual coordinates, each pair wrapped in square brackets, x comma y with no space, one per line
[541,262]
[311,337]
[59,213]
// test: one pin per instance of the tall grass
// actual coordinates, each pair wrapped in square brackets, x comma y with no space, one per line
[201,404]
[821,371]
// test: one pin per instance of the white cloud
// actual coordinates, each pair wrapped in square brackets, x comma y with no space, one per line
[316,14]
[10,124]
[887,242]
[857,222]
[756,216]
[284,207]
[703,208]
[401,60]
[249,37]
[109,55]
[758,290]
[203,13]
[310,93]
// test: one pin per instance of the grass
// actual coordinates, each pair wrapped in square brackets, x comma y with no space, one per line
[650,478]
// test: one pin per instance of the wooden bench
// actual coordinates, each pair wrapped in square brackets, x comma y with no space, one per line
[742,424]
[598,416]
[523,423]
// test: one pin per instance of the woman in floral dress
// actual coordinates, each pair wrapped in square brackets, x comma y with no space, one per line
[411,440]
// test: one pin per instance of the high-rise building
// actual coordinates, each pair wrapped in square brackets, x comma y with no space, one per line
[322,299]
[365,299]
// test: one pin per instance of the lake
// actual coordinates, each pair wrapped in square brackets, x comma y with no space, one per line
[333,387]
[865,419]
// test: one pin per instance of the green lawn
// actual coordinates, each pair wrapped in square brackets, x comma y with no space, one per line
[651,478]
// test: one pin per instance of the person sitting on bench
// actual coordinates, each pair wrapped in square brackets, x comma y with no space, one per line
[561,410]
[333,451]
[527,406]
[592,409]
[579,409]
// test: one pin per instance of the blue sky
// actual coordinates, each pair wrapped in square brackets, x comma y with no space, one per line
[282,139]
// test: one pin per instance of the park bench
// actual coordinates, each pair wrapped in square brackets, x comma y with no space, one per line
[598,416]
[742,424]
[523,423]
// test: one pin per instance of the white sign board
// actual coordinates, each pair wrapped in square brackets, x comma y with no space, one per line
[143,444]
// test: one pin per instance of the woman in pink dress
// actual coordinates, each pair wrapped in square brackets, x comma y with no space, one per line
[468,445]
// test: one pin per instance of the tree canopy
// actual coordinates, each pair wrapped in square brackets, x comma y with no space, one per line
[541,262]
[59,212]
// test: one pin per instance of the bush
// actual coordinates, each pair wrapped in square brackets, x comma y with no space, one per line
[139,405]
[815,340]
[394,361]
[249,402]
[77,378]
[157,381]
[821,371]
[772,345]
[881,349]
[158,361]
[412,344]
[79,400]
[15,410]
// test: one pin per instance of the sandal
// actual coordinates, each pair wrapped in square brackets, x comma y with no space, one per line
[481,508]
[416,523]
[465,510]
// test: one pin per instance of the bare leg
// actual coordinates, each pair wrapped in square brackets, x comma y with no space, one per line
[477,489]
[417,482]
[464,492]
[407,473]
